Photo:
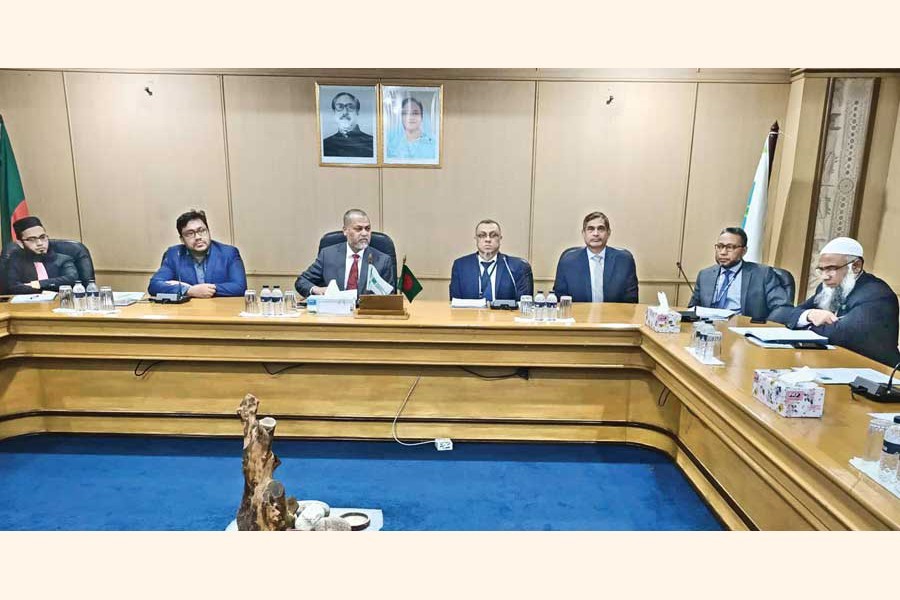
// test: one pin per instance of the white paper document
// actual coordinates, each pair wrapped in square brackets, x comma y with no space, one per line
[781,335]
[839,375]
[45,296]
[126,298]
[468,303]
[716,314]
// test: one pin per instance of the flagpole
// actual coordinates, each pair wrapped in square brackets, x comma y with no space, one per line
[400,275]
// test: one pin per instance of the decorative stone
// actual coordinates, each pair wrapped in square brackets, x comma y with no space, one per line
[332,524]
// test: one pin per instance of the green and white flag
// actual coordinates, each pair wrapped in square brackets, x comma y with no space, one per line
[755,213]
[377,284]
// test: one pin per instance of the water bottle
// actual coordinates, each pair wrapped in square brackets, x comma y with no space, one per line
[890,453]
[79,294]
[277,302]
[93,296]
[539,306]
[265,301]
[552,307]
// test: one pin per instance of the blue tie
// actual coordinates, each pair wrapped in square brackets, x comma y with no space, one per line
[723,291]
[486,290]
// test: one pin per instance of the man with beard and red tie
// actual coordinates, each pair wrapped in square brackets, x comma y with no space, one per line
[852,308]
[36,267]
[346,262]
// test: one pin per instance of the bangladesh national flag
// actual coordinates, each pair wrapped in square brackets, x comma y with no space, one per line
[12,197]
[408,284]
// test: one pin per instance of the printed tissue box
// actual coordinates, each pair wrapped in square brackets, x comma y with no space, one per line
[663,320]
[787,396]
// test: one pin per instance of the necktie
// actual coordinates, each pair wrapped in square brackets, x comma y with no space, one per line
[353,277]
[486,290]
[41,271]
[723,291]
[597,279]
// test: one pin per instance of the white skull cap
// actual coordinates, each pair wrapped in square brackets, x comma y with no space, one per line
[843,245]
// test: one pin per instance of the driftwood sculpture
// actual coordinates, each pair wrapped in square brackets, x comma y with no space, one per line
[264,505]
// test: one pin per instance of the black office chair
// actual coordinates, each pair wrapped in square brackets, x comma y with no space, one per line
[380,241]
[787,280]
[81,256]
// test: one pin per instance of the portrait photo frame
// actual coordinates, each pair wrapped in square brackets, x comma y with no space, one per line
[412,125]
[348,129]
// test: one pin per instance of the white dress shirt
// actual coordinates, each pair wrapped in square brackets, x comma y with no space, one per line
[592,262]
[361,284]
[493,272]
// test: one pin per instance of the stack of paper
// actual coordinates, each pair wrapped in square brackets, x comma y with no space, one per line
[45,296]
[126,298]
[468,303]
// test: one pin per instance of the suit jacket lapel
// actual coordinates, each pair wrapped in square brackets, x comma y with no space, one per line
[584,281]
[341,251]
[747,272]
[708,288]
[501,286]
[608,265]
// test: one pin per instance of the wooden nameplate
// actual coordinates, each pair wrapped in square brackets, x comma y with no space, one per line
[381,307]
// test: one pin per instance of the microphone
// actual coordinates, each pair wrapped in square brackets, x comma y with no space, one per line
[507,304]
[684,275]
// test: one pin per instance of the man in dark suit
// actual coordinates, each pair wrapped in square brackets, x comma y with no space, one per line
[597,272]
[749,288]
[852,308]
[199,267]
[349,140]
[347,263]
[35,267]
[487,273]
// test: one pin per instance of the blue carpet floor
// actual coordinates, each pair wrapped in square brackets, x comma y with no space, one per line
[67,482]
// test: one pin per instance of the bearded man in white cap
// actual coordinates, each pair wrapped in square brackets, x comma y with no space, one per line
[852,308]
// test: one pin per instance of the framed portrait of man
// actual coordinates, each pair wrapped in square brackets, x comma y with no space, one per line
[348,124]
[412,117]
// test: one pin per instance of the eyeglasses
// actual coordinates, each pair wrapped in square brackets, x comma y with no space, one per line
[348,106]
[483,236]
[33,240]
[728,247]
[190,234]
[832,270]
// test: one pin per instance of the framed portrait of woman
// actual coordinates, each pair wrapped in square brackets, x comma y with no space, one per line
[348,124]
[412,117]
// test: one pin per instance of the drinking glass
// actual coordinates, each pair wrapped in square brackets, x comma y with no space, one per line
[251,304]
[565,307]
[66,300]
[290,301]
[526,307]
[107,300]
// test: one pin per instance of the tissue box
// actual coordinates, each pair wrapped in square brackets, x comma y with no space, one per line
[804,399]
[335,306]
[663,321]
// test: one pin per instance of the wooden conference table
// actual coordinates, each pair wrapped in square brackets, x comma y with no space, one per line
[607,378]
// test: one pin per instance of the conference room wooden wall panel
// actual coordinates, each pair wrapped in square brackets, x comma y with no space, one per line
[33,106]
[878,164]
[885,263]
[627,156]
[143,158]
[486,173]
[282,200]
[731,123]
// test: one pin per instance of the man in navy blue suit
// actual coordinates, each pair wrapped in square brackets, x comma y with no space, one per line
[852,308]
[199,267]
[597,272]
[487,273]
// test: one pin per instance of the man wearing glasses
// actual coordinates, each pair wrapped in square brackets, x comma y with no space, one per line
[349,140]
[852,308]
[36,267]
[487,273]
[199,267]
[744,287]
